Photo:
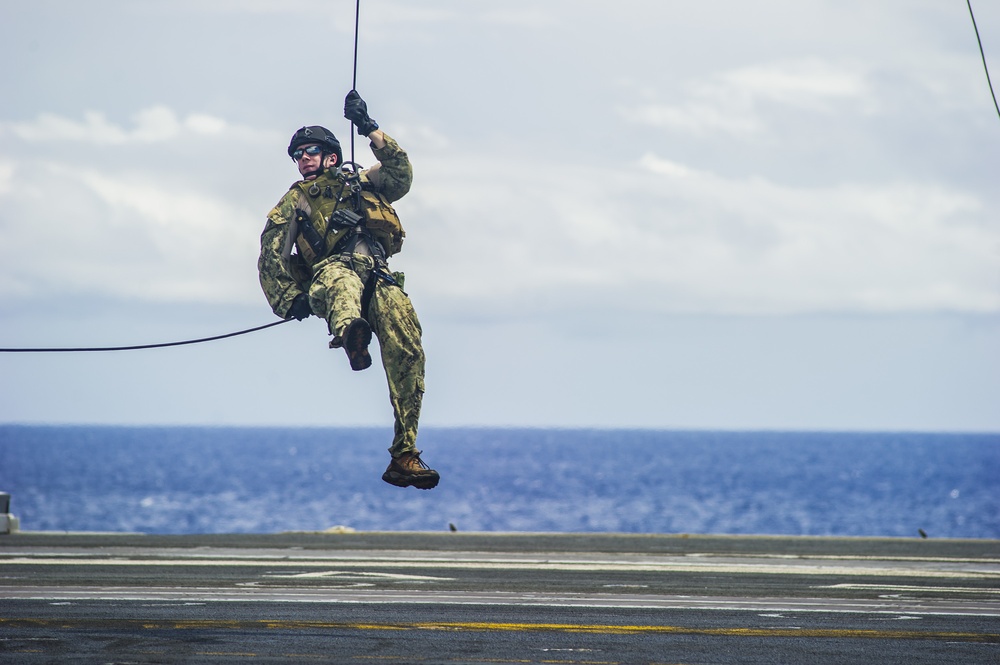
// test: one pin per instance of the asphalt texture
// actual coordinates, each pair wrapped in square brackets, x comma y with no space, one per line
[496,598]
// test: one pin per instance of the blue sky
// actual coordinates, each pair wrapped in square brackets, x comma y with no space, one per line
[724,215]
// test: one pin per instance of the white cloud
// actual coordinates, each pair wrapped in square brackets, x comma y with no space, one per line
[156,124]
[128,236]
[731,101]
[6,176]
[662,236]
[664,167]
[202,123]
[659,235]
[798,83]
[754,245]
[533,17]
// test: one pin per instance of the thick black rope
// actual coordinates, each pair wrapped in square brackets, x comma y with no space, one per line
[146,346]
[983,54]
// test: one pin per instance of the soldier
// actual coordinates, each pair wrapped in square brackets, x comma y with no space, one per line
[323,252]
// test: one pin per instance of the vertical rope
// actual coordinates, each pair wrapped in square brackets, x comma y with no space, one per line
[981,52]
[354,76]
[357,13]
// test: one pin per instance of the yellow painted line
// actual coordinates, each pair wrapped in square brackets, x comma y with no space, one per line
[686,630]
[485,626]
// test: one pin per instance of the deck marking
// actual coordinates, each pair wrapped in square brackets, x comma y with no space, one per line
[331,595]
[911,589]
[985,571]
[489,626]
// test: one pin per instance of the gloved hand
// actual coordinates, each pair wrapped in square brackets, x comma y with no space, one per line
[356,111]
[300,308]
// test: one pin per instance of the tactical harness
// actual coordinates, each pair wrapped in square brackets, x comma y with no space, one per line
[338,211]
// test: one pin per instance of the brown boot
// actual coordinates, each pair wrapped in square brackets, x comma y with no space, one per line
[408,469]
[357,336]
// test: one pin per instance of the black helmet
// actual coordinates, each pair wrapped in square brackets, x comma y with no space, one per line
[318,135]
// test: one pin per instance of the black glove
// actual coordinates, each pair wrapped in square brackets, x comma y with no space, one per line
[356,111]
[300,308]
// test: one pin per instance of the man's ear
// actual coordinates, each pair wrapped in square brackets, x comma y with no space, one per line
[333,160]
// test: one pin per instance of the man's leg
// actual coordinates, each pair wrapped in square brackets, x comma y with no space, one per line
[398,330]
[335,295]
[395,324]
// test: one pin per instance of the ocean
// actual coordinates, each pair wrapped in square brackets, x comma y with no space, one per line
[186,480]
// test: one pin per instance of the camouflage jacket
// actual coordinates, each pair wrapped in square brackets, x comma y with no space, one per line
[284,275]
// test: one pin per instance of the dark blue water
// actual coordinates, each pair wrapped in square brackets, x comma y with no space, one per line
[230,480]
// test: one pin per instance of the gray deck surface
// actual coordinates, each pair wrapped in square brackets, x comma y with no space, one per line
[496,598]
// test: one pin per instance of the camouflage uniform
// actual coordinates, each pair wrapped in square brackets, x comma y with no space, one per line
[335,283]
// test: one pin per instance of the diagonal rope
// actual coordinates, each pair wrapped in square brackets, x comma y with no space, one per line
[983,54]
[144,346]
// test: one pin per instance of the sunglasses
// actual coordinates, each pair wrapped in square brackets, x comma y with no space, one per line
[312,151]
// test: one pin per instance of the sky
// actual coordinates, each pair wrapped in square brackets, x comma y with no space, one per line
[639,214]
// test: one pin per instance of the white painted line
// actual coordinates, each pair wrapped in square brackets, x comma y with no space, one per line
[354,574]
[736,566]
[898,607]
[912,589]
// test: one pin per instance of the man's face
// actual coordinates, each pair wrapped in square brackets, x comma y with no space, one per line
[310,163]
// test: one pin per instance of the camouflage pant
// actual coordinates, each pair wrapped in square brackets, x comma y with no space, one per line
[335,295]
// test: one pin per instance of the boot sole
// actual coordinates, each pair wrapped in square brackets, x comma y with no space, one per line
[420,482]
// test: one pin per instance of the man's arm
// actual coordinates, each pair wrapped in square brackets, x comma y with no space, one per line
[276,279]
[377,138]
[393,174]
